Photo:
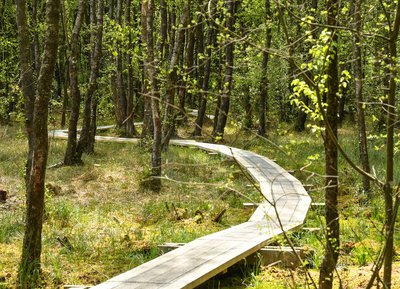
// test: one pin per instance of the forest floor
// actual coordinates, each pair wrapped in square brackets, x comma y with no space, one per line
[101,220]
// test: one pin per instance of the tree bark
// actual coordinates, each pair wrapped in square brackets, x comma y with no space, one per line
[301,118]
[228,78]
[211,37]
[185,94]
[119,74]
[220,85]
[36,49]
[64,65]
[331,157]
[390,123]
[171,30]
[163,29]
[362,134]
[28,81]
[151,72]
[85,144]
[130,127]
[168,127]
[32,243]
[147,128]
[263,100]
[70,153]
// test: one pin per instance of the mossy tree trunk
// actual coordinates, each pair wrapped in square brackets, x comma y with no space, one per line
[29,268]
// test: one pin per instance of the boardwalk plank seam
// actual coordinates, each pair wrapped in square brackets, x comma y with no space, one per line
[285,208]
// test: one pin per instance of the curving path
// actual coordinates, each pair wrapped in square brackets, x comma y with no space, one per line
[285,208]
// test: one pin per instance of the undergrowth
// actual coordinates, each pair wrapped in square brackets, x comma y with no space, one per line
[100,221]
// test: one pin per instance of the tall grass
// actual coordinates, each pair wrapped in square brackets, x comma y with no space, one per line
[100,222]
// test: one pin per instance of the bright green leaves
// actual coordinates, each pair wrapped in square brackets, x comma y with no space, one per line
[307,95]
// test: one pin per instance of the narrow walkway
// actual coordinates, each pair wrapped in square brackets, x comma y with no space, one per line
[285,208]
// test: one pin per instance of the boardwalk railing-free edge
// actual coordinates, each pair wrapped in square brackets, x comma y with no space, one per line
[285,208]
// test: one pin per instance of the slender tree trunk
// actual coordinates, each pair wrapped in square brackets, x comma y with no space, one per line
[168,128]
[70,153]
[147,128]
[228,78]
[263,101]
[220,86]
[163,29]
[171,30]
[300,124]
[186,94]
[85,145]
[331,158]
[362,134]
[130,127]
[65,66]
[246,99]
[151,71]
[211,37]
[390,123]
[36,49]
[119,117]
[119,73]
[32,244]
[93,126]
[28,81]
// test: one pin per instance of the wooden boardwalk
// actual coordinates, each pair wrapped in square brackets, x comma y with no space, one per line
[285,208]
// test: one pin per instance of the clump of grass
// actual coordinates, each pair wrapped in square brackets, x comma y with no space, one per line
[112,226]
[11,227]
[98,222]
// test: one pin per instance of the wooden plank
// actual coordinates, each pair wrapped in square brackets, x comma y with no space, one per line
[197,261]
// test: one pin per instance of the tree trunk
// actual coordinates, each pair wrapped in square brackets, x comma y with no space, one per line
[93,126]
[186,94]
[211,37]
[163,29]
[391,121]
[362,134]
[148,13]
[147,128]
[220,84]
[301,118]
[64,66]
[168,128]
[85,145]
[171,30]
[120,85]
[70,153]
[32,244]
[228,78]
[130,127]
[36,49]
[263,101]
[331,157]
[27,78]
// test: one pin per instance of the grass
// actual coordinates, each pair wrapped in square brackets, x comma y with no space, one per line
[99,221]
